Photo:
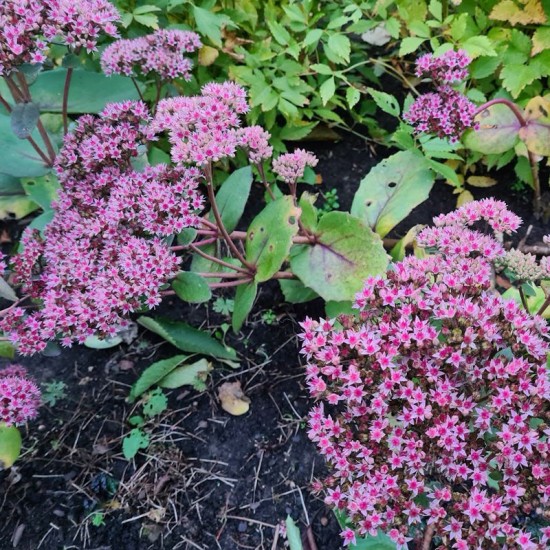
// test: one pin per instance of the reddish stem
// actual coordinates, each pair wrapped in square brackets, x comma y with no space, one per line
[65,106]
[230,284]
[218,260]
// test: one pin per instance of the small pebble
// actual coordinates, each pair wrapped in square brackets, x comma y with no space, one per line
[324,521]
[242,527]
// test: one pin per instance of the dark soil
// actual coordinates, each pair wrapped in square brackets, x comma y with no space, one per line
[209,480]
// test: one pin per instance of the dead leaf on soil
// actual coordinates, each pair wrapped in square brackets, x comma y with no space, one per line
[232,398]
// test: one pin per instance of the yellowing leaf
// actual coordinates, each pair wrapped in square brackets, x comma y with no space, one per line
[541,40]
[207,55]
[232,398]
[481,181]
[536,134]
[519,12]
[463,198]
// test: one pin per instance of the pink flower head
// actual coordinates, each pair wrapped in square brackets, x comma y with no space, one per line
[14,370]
[449,68]
[431,391]
[19,400]
[445,113]
[161,52]
[207,128]
[103,255]
[290,167]
[255,141]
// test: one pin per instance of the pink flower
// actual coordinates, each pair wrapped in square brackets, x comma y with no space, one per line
[451,360]
[19,400]
[448,68]
[161,52]
[290,166]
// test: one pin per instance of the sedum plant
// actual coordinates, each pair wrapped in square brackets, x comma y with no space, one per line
[434,398]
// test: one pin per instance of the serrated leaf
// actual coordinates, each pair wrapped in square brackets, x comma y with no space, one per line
[498,131]
[340,45]
[345,253]
[389,192]
[24,117]
[519,12]
[244,301]
[327,90]
[187,338]
[209,24]
[353,95]
[541,40]
[476,46]
[191,287]
[386,102]
[153,374]
[194,374]
[515,77]
[410,44]
[269,237]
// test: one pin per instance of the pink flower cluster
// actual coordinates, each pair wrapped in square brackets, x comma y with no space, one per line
[103,255]
[206,128]
[434,400]
[19,396]
[160,52]
[290,167]
[449,68]
[28,26]
[445,112]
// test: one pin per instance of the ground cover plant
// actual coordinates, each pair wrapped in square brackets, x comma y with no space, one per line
[153,140]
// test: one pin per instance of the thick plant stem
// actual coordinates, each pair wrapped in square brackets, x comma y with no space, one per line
[229,284]
[261,171]
[523,299]
[544,306]
[537,197]
[65,106]
[138,90]
[219,222]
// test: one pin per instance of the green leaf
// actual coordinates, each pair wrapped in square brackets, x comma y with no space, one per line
[6,291]
[155,403]
[194,374]
[269,237]
[386,102]
[244,301]
[89,91]
[321,68]
[24,117]
[410,44]
[312,37]
[10,445]
[353,95]
[42,190]
[191,287]
[296,292]
[327,90]
[153,374]
[232,196]
[278,32]
[19,159]
[293,534]
[340,46]
[7,349]
[515,77]
[476,46]
[379,542]
[209,24]
[498,131]
[345,253]
[133,442]
[94,342]
[187,338]
[389,192]
[186,236]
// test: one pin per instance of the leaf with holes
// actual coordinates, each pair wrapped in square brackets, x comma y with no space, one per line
[345,253]
[536,134]
[498,131]
[42,190]
[133,442]
[391,190]
[269,237]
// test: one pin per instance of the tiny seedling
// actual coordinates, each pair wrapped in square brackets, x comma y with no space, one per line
[331,201]
[53,392]
[224,306]
[269,317]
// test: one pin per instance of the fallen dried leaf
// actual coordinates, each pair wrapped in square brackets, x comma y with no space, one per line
[232,398]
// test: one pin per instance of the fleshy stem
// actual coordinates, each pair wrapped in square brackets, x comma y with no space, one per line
[25,97]
[537,202]
[218,260]
[261,171]
[35,145]
[65,106]
[137,88]
[523,299]
[219,222]
[544,306]
[428,536]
